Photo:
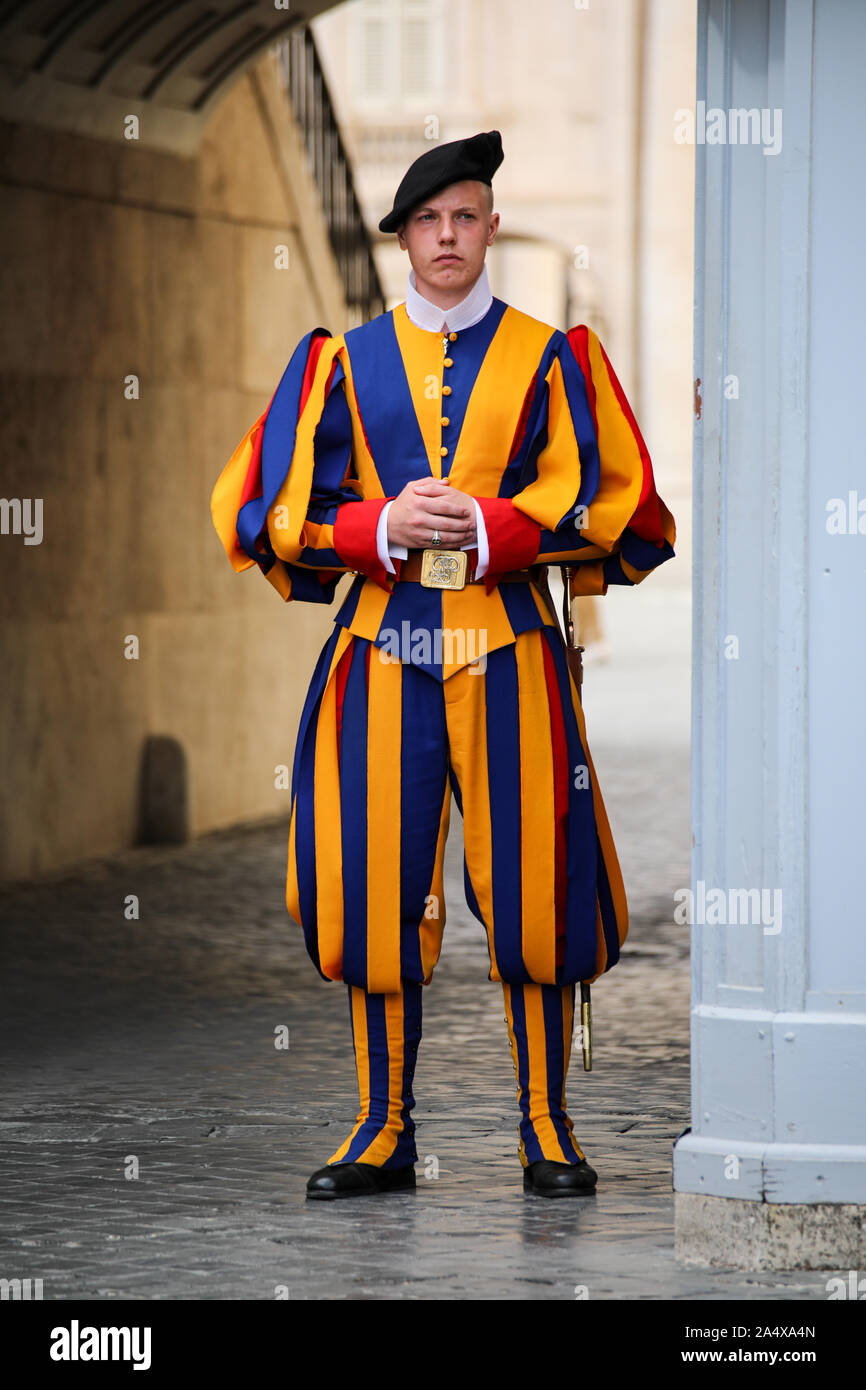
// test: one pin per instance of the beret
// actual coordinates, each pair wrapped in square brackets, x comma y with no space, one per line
[477,157]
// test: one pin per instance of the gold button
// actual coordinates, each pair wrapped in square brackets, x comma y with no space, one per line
[443,451]
[445,420]
[449,362]
[446,390]
[452,337]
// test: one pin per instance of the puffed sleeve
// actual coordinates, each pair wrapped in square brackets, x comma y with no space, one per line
[585,493]
[288,499]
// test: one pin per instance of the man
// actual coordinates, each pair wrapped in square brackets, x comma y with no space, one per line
[445,453]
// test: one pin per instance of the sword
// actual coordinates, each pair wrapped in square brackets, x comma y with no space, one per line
[575,666]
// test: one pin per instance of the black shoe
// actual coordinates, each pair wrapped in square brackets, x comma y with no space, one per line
[358,1180]
[551,1179]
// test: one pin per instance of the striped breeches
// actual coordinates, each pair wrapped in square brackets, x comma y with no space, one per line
[386,1032]
[382,747]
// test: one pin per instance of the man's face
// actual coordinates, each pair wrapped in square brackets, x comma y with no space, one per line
[447,237]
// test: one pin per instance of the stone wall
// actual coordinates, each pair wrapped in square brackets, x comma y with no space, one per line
[121,259]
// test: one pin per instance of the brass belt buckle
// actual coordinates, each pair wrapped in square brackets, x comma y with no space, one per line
[443,569]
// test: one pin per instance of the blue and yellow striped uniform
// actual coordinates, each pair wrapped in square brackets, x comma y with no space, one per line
[420,694]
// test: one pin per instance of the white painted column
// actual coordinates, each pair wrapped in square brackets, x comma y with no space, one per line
[778,1131]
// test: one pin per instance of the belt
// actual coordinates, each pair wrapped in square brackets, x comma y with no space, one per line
[446,569]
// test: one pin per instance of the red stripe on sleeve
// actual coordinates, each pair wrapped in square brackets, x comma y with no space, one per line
[315,352]
[580,347]
[520,432]
[646,518]
[253,481]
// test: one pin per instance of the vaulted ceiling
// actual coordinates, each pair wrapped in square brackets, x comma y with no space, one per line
[85,65]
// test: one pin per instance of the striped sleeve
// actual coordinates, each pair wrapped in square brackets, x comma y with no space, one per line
[288,500]
[588,497]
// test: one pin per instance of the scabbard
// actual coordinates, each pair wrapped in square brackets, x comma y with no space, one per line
[586,1024]
[575,665]
[573,653]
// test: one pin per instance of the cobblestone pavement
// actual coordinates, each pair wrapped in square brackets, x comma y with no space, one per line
[154,1041]
[149,1045]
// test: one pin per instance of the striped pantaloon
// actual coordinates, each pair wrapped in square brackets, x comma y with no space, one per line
[381,749]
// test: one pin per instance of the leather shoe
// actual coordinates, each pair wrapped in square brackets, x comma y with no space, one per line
[358,1180]
[549,1179]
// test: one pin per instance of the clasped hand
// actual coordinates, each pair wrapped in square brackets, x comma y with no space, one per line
[432,504]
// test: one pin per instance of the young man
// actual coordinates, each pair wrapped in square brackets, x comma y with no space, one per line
[445,453]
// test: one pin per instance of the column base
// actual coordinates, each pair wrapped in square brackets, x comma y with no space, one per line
[741,1234]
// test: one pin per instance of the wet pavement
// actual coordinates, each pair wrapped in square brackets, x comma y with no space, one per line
[155,1143]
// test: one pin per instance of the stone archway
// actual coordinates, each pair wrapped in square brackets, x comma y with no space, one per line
[81,66]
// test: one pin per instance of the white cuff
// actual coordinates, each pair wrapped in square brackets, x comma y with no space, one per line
[385,548]
[481,542]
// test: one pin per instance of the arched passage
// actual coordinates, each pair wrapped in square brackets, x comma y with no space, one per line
[156,275]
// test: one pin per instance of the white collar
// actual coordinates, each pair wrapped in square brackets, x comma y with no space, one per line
[463,315]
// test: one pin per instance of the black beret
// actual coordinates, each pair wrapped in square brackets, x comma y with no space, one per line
[477,157]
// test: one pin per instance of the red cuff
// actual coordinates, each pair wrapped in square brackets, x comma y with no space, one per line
[512,536]
[355,538]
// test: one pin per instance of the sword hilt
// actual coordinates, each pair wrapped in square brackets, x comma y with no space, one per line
[573,652]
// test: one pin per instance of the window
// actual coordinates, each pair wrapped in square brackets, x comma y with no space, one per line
[398,56]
